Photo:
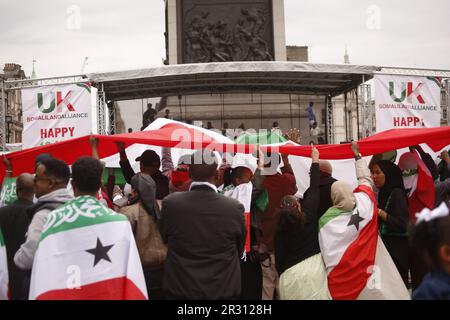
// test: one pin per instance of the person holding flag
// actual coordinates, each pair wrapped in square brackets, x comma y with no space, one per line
[297,252]
[87,251]
[356,260]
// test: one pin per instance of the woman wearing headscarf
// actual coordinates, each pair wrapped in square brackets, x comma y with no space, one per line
[357,262]
[143,213]
[297,253]
[418,182]
[393,213]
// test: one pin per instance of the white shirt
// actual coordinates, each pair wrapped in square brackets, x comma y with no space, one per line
[201,183]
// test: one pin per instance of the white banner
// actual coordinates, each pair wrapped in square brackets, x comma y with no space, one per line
[56,113]
[407,102]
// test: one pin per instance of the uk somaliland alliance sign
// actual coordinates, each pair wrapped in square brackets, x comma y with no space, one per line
[56,113]
[407,102]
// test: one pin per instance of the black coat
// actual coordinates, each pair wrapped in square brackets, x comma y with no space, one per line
[205,235]
[14,222]
[325,184]
[162,182]
[395,238]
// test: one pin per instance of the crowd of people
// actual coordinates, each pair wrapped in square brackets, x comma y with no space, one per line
[206,228]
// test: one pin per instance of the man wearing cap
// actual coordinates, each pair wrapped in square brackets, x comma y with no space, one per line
[150,162]
[326,180]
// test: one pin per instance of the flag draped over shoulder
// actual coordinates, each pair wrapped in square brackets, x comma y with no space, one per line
[242,193]
[348,242]
[87,252]
[4,282]
[8,194]
[357,262]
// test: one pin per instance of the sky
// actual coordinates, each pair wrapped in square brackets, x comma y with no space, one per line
[121,35]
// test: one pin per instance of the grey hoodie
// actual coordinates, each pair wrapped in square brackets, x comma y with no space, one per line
[25,255]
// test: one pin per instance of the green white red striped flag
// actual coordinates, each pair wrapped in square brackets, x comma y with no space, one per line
[348,242]
[4,293]
[87,252]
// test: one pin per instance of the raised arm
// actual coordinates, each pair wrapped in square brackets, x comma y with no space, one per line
[362,170]
[8,166]
[125,165]
[94,147]
[166,161]
[311,203]
[427,160]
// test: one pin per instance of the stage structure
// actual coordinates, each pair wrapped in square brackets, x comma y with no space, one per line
[306,79]
[235,78]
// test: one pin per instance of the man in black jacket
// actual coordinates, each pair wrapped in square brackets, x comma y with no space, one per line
[205,235]
[150,163]
[14,222]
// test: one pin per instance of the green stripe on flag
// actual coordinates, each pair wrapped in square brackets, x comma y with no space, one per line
[120,179]
[85,86]
[328,216]
[2,241]
[436,80]
[80,212]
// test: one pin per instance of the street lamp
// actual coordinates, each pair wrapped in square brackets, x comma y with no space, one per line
[8,120]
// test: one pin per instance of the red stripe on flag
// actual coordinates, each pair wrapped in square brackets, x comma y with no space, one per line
[247,239]
[424,195]
[349,277]
[112,289]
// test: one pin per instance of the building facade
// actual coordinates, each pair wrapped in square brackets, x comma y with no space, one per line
[13,103]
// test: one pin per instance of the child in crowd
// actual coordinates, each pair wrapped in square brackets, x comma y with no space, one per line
[431,237]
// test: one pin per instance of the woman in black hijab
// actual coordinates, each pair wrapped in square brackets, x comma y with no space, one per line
[393,213]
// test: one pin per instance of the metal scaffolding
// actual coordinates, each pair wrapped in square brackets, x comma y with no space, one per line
[330,119]
[101,112]
[51,81]
[447,96]
[2,118]
[365,94]
[112,117]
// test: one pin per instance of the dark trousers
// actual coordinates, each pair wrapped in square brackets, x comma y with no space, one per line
[398,249]
[153,279]
[251,280]
[418,268]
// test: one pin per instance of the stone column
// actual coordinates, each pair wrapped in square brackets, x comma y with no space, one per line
[279,32]
[172,30]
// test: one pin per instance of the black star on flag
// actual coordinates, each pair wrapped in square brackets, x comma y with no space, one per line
[100,252]
[355,219]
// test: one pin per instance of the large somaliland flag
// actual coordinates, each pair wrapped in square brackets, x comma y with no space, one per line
[87,252]
[356,260]
[3,270]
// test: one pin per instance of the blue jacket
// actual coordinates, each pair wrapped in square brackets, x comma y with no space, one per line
[435,286]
